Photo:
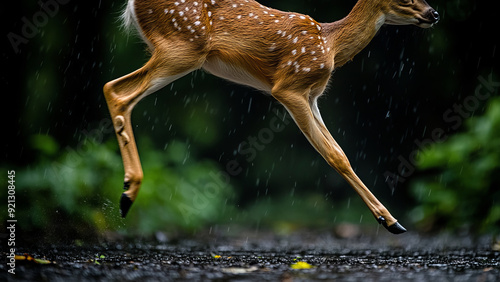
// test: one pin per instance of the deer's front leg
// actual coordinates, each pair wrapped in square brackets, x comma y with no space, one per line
[310,123]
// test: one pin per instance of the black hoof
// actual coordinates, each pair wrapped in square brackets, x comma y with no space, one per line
[125,204]
[396,228]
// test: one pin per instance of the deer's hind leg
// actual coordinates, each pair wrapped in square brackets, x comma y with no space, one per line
[124,93]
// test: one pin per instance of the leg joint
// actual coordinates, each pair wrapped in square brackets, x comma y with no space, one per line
[132,180]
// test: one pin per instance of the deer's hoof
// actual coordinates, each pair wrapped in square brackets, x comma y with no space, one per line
[125,204]
[396,228]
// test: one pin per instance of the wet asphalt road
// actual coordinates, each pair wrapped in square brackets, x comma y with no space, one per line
[251,256]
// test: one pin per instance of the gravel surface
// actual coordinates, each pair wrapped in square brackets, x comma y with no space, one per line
[250,256]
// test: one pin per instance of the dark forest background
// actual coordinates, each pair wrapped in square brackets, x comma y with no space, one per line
[417,113]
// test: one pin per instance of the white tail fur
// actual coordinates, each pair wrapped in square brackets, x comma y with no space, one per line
[128,16]
[130,24]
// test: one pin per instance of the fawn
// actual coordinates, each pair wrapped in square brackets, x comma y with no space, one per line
[288,55]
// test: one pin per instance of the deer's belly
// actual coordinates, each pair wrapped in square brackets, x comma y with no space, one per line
[234,74]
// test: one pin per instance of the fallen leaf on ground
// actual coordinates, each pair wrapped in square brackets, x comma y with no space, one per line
[301,265]
[27,257]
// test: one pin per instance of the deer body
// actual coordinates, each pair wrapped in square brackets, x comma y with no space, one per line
[288,55]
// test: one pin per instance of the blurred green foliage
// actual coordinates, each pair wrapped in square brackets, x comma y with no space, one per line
[73,193]
[461,187]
